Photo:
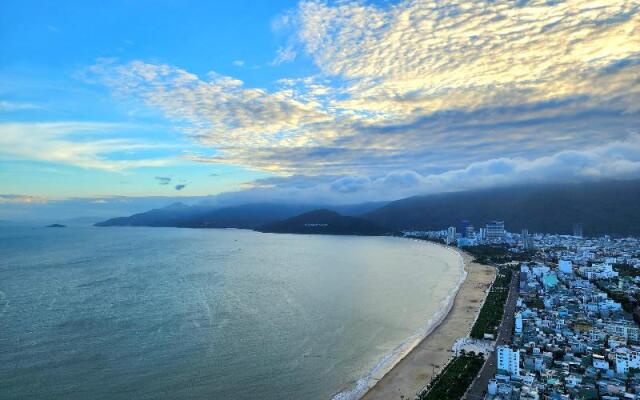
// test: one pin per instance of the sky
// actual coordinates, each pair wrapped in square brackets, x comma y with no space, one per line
[116,106]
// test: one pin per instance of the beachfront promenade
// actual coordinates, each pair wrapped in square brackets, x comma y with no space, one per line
[478,388]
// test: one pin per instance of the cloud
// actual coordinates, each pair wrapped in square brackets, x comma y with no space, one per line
[422,56]
[17,106]
[180,186]
[81,144]
[284,55]
[350,184]
[219,111]
[617,160]
[21,199]
[163,180]
[238,63]
[416,86]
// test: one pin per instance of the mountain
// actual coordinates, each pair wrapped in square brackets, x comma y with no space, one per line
[204,216]
[242,216]
[354,210]
[325,222]
[610,207]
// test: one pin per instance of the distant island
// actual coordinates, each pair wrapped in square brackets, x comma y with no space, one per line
[325,222]
[56,226]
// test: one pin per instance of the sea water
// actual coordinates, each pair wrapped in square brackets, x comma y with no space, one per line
[166,313]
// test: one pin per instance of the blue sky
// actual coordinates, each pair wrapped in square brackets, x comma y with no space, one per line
[46,48]
[312,101]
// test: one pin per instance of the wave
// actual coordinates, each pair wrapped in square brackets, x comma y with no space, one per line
[389,360]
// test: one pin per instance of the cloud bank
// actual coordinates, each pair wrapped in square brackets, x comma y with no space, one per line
[617,160]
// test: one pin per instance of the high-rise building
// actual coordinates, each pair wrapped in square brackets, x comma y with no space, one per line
[451,235]
[464,227]
[508,360]
[482,234]
[577,229]
[470,231]
[495,231]
[527,240]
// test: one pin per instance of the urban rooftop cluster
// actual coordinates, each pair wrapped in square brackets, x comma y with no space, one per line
[574,325]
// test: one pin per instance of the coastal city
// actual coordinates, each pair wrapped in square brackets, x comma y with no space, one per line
[565,325]
[320,200]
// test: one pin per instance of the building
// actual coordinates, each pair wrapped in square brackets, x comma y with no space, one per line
[470,231]
[482,234]
[451,235]
[565,266]
[508,360]
[599,361]
[549,281]
[467,230]
[577,229]
[627,358]
[627,330]
[527,240]
[495,231]
[518,322]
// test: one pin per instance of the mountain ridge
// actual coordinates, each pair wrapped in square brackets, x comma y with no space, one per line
[605,207]
[247,216]
[325,222]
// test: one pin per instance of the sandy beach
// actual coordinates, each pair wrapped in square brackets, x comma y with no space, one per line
[411,373]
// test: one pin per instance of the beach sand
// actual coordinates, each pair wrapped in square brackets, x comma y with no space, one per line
[411,373]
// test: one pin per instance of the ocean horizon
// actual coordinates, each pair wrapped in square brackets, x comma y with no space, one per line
[166,312]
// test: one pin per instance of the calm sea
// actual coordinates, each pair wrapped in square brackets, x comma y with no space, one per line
[163,313]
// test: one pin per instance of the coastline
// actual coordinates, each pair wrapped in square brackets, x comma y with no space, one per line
[416,367]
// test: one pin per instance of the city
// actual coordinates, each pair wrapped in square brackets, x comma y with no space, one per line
[572,330]
[320,199]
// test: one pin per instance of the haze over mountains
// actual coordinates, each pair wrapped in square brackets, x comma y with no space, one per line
[611,207]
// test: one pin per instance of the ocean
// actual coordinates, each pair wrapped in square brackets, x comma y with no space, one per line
[167,313]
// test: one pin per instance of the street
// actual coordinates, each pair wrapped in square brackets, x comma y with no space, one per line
[478,388]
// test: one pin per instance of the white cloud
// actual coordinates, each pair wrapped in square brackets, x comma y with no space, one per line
[21,199]
[284,55]
[422,56]
[420,85]
[617,160]
[72,143]
[219,111]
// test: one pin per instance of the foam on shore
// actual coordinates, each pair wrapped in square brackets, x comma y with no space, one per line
[389,360]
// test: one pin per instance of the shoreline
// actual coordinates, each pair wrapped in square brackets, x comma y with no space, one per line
[416,368]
